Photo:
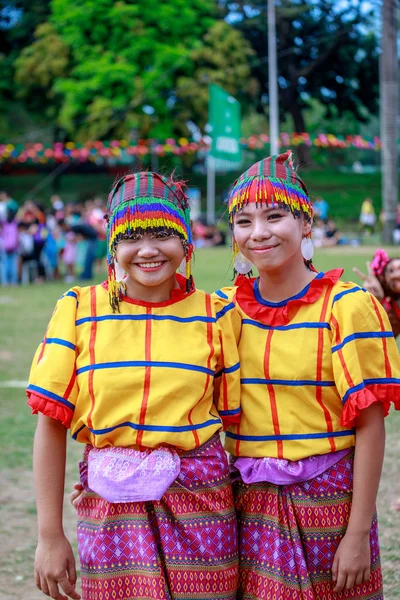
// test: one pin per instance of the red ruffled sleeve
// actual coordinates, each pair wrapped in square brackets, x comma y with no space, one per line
[50,408]
[365,358]
[364,398]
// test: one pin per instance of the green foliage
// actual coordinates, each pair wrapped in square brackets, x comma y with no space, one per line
[326,53]
[223,59]
[131,68]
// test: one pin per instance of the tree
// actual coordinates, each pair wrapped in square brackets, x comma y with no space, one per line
[324,53]
[224,59]
[389,77]
[18,21]
[129,68]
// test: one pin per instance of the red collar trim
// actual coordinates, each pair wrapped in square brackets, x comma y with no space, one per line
[280,313]
[177,294]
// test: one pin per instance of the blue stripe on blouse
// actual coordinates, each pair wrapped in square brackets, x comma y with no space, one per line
[228,413]
[305,325]
[361,335]
[221,294]
[352,291]
[224,310]
[143,317]
[361,386]
[51,395]
[161,428]
[293,436]
[59,342]
[144,363]
[289,382]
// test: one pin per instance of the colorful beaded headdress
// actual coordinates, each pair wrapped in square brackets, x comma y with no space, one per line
[272,181]
[144,203]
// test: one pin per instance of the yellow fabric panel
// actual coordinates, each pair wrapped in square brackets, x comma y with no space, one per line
[53,365]
[287,410]
[363,341]
[228,381]
[144,376]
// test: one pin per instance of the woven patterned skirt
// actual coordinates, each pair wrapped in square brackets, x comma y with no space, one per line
[288,536]
[182,547]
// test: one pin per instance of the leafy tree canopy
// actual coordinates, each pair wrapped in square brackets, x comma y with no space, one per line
[327,51]
[131,66]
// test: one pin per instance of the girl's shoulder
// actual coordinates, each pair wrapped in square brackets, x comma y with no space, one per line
[349,295]
[355,307]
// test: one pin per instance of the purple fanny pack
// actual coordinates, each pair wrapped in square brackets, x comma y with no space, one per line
[127,475]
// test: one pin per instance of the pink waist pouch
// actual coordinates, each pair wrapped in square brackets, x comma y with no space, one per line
[127,475]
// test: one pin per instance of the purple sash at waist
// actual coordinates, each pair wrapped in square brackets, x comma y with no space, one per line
[284,472]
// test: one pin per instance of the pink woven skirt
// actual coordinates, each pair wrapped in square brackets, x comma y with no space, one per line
[288,536]
[183,546]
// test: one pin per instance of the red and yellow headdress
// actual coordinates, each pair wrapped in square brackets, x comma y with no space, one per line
[272,181]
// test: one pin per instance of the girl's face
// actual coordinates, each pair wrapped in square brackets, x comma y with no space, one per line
[269,237]
[151,260]
[392,275]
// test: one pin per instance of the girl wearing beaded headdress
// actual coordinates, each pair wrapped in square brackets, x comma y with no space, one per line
[129,367]
[318,365]
[383,281]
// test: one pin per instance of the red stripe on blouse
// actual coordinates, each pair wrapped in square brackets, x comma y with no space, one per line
[210,355]
[92,356]
[272,397]
[349,379]
[388,368]
[147,376]
[318,392]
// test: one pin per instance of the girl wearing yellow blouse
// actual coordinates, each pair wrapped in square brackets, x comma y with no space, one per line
[129,368]
[319,367]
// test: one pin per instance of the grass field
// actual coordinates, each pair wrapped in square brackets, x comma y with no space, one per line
[24,313]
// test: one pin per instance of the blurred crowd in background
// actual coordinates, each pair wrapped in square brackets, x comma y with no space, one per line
[65,241]
[38,244]
[68,240]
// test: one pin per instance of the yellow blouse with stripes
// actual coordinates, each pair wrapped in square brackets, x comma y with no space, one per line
[308,366]
[140,378]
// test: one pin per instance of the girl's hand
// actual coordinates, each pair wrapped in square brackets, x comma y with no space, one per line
[352,562]
[370,282]
[75,496]
[55,568]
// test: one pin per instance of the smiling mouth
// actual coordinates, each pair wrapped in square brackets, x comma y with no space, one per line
[264,248]
[150,265]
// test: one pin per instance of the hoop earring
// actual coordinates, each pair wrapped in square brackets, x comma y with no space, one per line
[307,248]
[241,264]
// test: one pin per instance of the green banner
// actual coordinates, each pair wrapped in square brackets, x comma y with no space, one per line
[225,124]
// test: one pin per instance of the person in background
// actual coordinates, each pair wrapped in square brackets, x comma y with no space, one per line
[382,279]
[367,217]
[332,235]
[321,208]
[9,248]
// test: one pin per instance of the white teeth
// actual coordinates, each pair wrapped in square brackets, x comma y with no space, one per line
[150,265]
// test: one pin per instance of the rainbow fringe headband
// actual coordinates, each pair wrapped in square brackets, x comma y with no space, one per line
[146,203]
[271,192]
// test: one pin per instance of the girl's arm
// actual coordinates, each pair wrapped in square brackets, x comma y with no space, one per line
[352,562]
[54,559]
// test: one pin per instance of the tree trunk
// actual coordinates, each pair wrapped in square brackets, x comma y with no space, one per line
[303,154]
[388,68]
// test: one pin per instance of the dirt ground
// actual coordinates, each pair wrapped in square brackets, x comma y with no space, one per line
[18,526]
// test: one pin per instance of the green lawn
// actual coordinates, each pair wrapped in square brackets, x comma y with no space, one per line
[24,313]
